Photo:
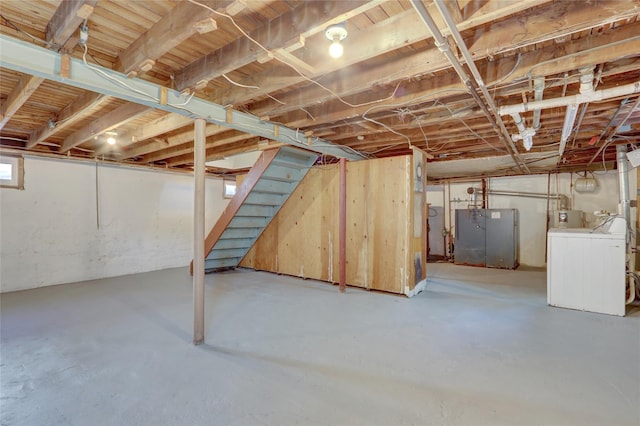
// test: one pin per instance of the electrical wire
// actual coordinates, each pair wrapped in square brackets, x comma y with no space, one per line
[309,114]
[113,79]
[257,88]
[509,74]
[239,84]
[364,116]
[606,221]
[473,132]
[424,135]
[128,86]
[293,67]
[21,31]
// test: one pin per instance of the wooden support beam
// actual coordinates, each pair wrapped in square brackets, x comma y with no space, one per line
[220,151]
[170,142]
[198,231]
[28,58]
[180,154]
[290,58]
[280,33]
[343,224]
[159,126]
[406,29]
[109,121]
[558,19]
[601,48]
[71,113]
[67,18]
[18,96]
[174,28]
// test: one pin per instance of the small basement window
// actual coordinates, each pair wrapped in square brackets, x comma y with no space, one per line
[12,172]
[229,188]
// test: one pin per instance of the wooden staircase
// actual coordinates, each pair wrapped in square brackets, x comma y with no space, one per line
[265,189]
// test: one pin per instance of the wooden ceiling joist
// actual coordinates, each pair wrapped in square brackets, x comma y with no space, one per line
[283,32]
[108,121]
[159,126]
[170,31]
[18,96]
[224,138]
[30,59]
[169,142]
[74,111]
[69,15]
[392,88]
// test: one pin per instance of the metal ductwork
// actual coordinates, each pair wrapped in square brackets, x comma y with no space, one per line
[623,171]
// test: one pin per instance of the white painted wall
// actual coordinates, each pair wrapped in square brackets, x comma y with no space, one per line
[532,212]
[49,232]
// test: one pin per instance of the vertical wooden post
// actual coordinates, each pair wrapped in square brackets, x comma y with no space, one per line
[343,224]
[198,231]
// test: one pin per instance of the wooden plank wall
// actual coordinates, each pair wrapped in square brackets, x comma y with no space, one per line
[302,240]
[419,222]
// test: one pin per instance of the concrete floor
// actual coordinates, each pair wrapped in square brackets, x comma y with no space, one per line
[479,346]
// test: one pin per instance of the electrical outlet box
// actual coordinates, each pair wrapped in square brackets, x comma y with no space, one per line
[634,157]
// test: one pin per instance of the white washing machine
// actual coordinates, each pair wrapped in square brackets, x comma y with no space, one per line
[586,270]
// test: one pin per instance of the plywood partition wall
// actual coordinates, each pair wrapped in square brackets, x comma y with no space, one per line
[385,248]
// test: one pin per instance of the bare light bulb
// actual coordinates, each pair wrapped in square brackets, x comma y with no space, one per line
[111,140]
[336,49]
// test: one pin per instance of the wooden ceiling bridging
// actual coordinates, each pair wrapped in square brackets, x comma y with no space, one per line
[393,88]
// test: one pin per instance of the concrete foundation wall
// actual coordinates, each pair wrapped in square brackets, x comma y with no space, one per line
[532,211]
[63,228]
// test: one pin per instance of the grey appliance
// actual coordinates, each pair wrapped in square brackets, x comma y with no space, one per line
[487,237]
[436,231]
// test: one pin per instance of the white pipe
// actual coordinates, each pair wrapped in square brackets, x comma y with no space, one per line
[538,86]
[519,122]
[526,134]
[623,170]
[595,96]
[586,80]
[632,290]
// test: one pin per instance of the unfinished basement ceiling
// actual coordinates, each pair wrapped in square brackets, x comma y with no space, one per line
[392,89]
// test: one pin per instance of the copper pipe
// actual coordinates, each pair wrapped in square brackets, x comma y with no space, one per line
[343,224]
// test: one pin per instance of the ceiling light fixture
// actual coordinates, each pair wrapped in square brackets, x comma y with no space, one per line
[111,137]
[336,33]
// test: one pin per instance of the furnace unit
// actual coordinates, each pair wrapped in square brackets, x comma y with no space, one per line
[487,237]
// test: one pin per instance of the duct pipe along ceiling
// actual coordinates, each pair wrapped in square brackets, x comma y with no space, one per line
[623,169]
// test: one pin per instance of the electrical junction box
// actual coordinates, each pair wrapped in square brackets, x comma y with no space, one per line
[568,219]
